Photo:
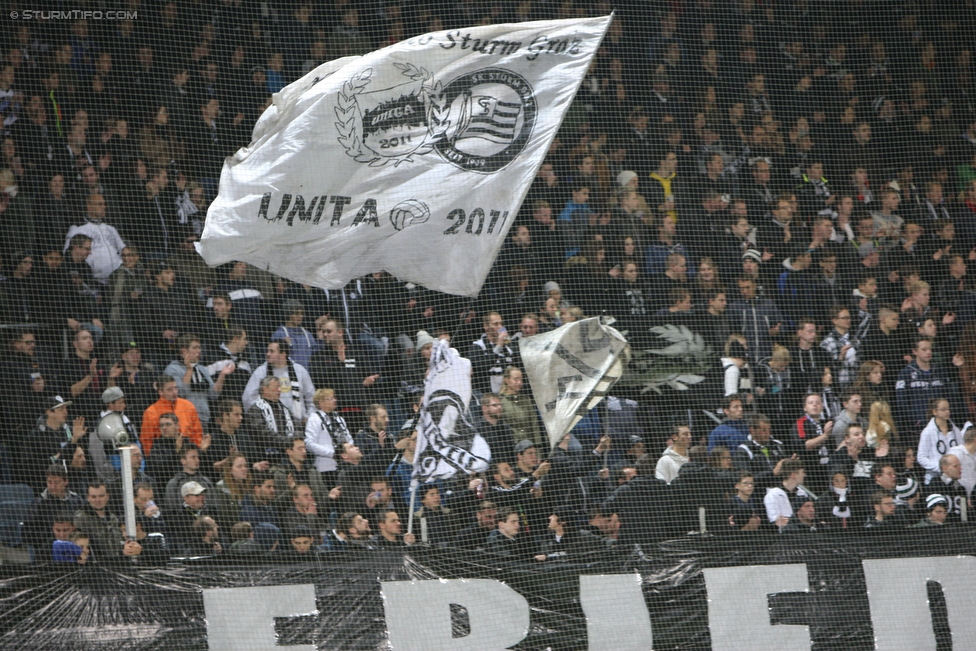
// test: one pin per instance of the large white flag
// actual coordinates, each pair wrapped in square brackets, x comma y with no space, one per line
[447,440]
[571,369]
[413,159]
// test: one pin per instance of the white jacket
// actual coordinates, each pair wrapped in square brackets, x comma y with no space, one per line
[777,503]
[668,465]
[321,434]
[107,245]
[932,444]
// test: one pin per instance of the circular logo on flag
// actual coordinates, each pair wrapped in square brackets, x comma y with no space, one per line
[491,115]
[478,122]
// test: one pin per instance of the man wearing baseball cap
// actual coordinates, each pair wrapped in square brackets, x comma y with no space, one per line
[194,506]
[106,461]
[46,443]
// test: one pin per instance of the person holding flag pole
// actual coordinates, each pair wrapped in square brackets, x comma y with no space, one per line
[447,441]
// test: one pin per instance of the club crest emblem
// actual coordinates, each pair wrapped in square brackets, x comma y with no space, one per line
[479,122]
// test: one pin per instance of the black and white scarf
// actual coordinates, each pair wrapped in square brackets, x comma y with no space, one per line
[200,381]
[337,428]
[269,417]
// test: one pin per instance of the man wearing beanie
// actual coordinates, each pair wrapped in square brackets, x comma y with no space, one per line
[937,508]
[907,497]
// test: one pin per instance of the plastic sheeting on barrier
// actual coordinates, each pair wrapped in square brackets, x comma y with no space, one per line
[687,601]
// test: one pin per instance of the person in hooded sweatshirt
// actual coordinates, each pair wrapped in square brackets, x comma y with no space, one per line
[675,456]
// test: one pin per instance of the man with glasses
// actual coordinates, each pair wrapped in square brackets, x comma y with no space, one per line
[884,511]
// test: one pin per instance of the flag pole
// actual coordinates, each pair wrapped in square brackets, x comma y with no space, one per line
[413,497]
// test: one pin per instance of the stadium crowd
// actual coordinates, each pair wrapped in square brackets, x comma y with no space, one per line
[794,182]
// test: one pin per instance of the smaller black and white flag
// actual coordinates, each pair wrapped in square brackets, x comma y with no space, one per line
[571,369]
[447,440]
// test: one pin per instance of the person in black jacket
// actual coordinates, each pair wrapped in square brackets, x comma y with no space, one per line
[391,534]
[563,539]
[340,366]
[357,471]
[54,501]
[804,519]
[761,454]
[807,361]
[699,485]
[745,513]
[267,425]
[507,541]
[643,505]
[166,313]
[475,536]
[562,485]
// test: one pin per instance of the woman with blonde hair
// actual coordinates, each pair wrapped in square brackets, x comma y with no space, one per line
[707,278]
[881,430]
[518,410]
[325,432]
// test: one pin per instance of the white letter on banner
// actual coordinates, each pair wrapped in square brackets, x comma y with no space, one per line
[616,615]
[418,614]
[897,586]
[738,607]
[244,617]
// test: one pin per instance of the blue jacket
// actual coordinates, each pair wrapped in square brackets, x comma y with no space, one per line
[731,434]
[571,225]
[257,513]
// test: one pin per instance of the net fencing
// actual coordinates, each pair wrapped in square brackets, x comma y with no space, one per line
[774,201]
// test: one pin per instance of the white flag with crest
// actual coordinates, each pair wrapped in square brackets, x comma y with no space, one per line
[571,369]
[413,159]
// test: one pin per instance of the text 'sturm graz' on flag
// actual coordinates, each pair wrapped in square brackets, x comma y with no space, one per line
[447,440]
[413,159]
[571,369]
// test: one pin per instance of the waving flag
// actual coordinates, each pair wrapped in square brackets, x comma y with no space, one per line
[413,159]
[571,369]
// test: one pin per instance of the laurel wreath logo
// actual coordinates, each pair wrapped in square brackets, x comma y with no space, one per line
[350,126]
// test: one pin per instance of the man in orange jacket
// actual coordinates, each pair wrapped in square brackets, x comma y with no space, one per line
[168,402]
